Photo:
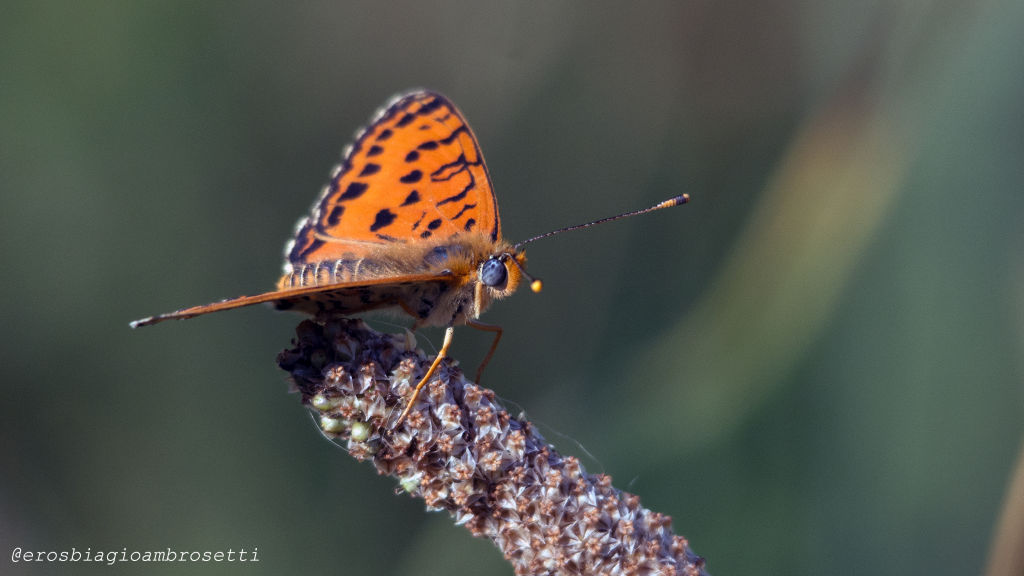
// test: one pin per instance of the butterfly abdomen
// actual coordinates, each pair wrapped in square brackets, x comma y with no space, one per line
[359,289]
[342,270]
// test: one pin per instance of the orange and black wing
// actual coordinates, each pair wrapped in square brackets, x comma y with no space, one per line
[416,172]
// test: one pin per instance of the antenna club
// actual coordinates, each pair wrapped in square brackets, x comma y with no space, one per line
[677,201]
[536,285]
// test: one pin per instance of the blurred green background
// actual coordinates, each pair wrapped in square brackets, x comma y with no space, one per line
[814,368]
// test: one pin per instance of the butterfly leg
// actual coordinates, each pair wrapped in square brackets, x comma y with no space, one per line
[448,335]
[494,345]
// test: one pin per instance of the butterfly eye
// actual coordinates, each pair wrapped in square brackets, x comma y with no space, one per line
[493,273]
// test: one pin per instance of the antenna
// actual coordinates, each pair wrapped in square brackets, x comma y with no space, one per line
[535,284]
[677,201]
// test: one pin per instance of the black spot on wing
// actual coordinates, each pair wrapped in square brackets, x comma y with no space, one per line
[429,145]
[384,218]
[412,198]
[354,190]
[412,156]
[374,151]
[431,106]
[434,224]
[335,216]
[425,234]
[384,134]
[306,250]
[405,120]
[370,169]
[412,177]
[469,224]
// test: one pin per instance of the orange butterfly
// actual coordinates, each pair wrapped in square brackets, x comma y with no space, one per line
[408,222]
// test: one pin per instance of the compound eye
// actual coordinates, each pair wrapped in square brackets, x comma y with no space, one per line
[493,273]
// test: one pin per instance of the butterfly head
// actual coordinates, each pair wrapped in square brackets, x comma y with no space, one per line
[498,275]
[502,273]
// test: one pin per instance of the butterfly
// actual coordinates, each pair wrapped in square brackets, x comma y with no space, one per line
[409,223]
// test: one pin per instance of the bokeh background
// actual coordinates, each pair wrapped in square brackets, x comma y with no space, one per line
[814,368]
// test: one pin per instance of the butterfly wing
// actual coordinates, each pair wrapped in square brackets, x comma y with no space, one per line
[415,173]
[341,299]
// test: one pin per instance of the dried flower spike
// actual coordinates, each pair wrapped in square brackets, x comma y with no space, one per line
[461,452]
